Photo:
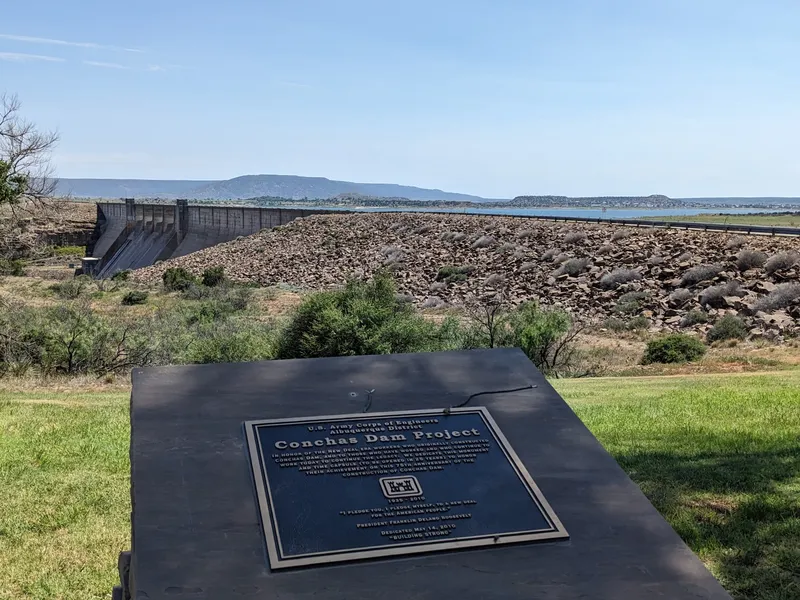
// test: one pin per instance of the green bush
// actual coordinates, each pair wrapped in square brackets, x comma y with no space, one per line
[69,251]
[213,276]
[121,275]
[177,279]
[225,342]
[674,348]
[72,288]
[74,340]
[135,297]
[539,332]
[544,334]
[728,327]
[363,318]
[13,267]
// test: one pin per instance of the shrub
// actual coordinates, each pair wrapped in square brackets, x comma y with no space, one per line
[781,261]
[700,273]
[74,340]
[781,297]
[736,241]
[619,276]
[13,267]
[655,260]
[213,276]
[574,237]
[673,348]
[219,301]
[483,242]
[605,249]
[540,333]
[69,251]
[72,288]
[121,275]
[195,291]
[630,303]
[620,234]
[134,297]
[728,327]
[750,259]
[527,266]
[507,247]
[362,318]
[550,254]
[680,297]
[494,280]
[177,279]
[545,335]
[437,286]
[573,267]
[713,296]
[423,229]
[685,257]
[226,342]
[453,274]
[694,317]
[633,324]
[523,234]
[432,302]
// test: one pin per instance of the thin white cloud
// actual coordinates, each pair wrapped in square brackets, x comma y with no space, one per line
[54,42]
[21,57]
[105,65]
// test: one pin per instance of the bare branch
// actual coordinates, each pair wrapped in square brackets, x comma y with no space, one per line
[26,174]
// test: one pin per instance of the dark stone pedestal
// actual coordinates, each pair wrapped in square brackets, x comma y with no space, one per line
[196,527]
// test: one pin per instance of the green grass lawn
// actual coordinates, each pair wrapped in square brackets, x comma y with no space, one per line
[718,455]
[768,220]
[64,493]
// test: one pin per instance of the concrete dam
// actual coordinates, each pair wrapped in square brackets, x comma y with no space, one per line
[130,235]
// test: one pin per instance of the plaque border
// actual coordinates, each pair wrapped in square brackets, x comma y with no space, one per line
[278,560]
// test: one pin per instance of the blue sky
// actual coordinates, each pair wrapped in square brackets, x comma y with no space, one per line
[497,98]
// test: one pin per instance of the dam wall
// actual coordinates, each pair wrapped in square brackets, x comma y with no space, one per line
[129,235]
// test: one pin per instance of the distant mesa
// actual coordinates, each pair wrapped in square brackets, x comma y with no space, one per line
[249,186]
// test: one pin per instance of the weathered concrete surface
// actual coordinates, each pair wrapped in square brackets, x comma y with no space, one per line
[195,522]
[131,235]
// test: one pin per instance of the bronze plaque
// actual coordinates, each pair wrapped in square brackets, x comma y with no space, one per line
[351,487]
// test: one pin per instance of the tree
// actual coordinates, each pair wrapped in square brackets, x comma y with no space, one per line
[26,175]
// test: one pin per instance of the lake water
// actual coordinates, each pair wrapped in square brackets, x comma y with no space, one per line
[611,213]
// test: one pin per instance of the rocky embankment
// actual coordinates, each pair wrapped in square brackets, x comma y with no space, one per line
[675,279]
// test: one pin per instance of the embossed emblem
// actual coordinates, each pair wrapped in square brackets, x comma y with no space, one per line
[401,487]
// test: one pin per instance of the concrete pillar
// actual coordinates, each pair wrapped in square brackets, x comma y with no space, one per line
[130,209]
[182,218]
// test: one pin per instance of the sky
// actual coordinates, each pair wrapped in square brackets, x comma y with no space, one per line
[497,98]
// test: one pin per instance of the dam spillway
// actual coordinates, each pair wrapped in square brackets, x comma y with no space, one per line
[130,235]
